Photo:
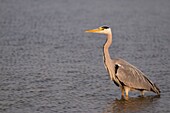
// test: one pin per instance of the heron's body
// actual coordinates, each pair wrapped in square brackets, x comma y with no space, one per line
[125,75]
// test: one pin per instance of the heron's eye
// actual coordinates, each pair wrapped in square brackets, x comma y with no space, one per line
[101,28]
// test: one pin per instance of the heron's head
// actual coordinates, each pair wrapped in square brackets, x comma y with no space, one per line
[101,30]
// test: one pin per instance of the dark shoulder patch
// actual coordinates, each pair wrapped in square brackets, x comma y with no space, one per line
[116,68]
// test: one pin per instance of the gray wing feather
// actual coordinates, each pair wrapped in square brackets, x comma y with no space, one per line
[132,77]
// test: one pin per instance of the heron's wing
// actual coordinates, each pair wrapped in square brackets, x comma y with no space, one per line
[130,76]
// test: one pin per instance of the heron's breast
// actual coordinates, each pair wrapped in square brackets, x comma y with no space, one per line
[109,69]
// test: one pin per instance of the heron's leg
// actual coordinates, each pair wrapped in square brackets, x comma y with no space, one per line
[122,90]
[142,93]
[127,89]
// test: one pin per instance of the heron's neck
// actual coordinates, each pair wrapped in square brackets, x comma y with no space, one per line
[106,47]
[106,56]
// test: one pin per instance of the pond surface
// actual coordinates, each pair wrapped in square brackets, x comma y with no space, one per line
[48,64]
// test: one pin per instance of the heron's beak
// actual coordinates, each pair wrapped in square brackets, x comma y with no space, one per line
[93,31]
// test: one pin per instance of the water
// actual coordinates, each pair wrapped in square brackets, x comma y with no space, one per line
[48,64]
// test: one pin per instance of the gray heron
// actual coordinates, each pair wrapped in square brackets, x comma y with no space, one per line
[123,74]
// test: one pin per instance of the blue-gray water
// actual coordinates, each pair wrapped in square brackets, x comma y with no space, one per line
[49,65]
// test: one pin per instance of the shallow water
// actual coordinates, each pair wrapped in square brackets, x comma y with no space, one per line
[48,64]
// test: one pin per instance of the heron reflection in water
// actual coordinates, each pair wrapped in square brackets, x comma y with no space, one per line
[132,105]
[123,74]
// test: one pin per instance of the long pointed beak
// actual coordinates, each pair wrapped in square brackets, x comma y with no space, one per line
[93,31]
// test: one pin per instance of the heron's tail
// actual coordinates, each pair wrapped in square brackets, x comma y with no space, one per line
[156,89]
